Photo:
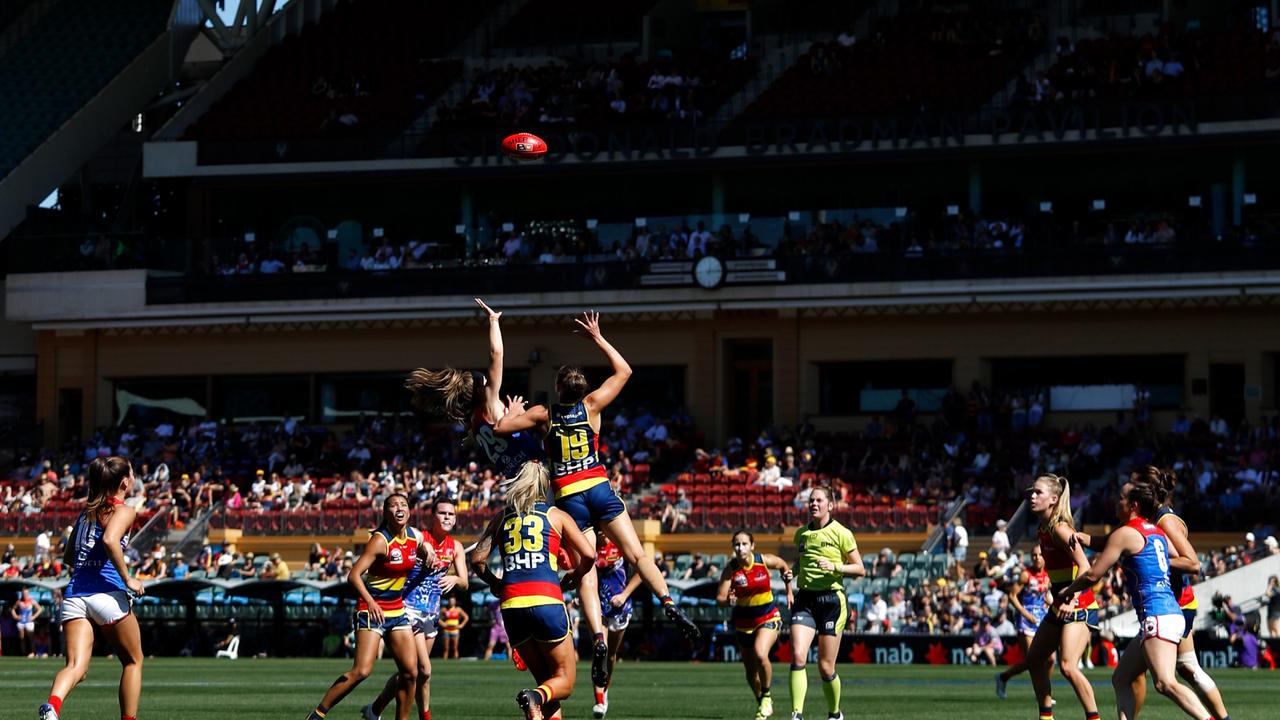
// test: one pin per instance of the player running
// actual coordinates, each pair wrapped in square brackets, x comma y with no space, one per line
[1030,597]
[473,400]
[756,620]
[1144,553]
[571,428]
[1067,625]
[389,557]
[1181,571]
[828,554]
[422,594]
[99,593]
[615,601]
[529,535]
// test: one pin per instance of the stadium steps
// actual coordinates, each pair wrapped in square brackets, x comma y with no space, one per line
[779,55]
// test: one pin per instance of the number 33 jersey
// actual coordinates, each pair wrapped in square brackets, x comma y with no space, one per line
[529,544]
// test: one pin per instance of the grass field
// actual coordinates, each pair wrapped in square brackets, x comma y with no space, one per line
[191,689]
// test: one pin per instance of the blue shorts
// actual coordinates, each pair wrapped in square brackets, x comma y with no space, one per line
[389,622]
[1088,617]
[597,504]
[1190,617]
[545,623]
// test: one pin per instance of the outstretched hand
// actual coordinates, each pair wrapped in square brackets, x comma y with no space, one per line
[492,315]
[589,324]
[515,405]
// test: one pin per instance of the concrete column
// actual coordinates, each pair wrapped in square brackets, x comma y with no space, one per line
[717,200]
[975,187]
[1254,401]
[787,372]
[466,212]
[702,383]
[1198,369]
[1237,188]
[1218,208]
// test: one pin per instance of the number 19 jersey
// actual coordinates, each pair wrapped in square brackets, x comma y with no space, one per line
[529,546]
[573,449]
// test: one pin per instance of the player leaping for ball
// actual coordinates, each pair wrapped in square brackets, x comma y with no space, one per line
[472,399]
[571,428]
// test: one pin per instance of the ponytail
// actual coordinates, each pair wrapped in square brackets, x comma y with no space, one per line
[1062,510]
[530,486]
[104,477]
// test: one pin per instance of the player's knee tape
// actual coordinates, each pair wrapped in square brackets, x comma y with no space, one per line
[1198,675]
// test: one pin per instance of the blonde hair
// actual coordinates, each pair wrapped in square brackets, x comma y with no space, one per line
[1061,511]
[530,486]
[445,392]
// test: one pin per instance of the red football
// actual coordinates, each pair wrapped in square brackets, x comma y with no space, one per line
[524,146]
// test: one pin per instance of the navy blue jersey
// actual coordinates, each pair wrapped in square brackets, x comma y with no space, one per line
[508,453]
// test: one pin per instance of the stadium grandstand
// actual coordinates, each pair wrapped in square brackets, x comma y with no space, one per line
[910,256]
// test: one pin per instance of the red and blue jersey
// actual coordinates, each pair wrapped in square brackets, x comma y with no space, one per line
[388,574]
[529,545]
[1182,582]
[573,450]
[1146,573]
[753,595]
[611,571]
[1034,591]
[422,589]
[1061,567]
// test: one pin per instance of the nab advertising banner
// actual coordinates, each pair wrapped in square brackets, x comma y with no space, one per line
[1214,652]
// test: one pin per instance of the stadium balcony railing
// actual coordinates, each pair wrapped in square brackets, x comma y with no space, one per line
[454,278]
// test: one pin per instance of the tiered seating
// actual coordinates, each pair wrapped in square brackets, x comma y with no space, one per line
[920,61]
[364,71]
[578,95]
[562,22]
[724,503]
[1229,63]
[66,59]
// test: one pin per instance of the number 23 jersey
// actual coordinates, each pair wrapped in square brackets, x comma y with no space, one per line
[529,545]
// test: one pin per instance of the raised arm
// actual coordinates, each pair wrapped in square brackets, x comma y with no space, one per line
[492,392]
[596,402]
[518,419]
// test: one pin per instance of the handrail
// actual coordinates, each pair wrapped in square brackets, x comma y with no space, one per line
[197,531]
[155,527]
[935,535]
